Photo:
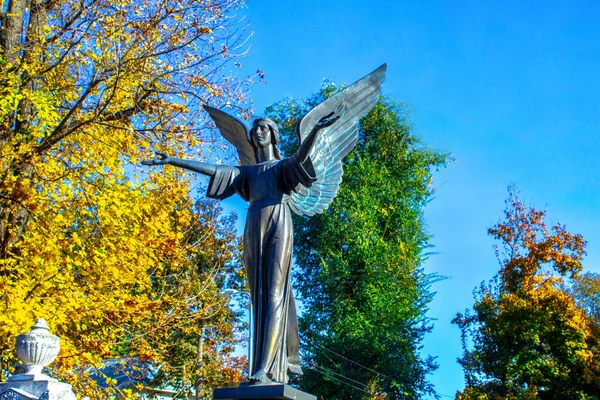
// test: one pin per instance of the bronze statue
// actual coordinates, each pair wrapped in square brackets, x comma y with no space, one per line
[305,183]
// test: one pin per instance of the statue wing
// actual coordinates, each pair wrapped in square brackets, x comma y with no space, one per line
[335,141]
[236,132]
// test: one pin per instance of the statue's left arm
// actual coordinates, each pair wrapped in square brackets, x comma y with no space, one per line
[309,141]
[298,171]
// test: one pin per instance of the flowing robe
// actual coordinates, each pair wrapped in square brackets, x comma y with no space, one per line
[267,256]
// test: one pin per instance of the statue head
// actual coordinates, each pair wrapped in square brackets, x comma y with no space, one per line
[274,135]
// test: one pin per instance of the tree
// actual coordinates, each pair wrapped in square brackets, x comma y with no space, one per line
[526,338]
[586,291]
[89,87]
[184,327]
[118,73]
[194,334]
[360,276]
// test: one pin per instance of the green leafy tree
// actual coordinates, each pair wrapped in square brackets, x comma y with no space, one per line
[525,337]
[586,290]
[360,275]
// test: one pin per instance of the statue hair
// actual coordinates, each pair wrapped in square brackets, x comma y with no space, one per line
[274,135]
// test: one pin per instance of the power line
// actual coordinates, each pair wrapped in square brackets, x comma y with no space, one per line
[353,362]
[339,380]
[338,374]
[329,372]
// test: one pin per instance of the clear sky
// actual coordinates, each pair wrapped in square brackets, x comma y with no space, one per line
[510,88]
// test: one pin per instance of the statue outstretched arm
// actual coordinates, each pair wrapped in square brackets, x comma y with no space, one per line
[196,166]
[309,141]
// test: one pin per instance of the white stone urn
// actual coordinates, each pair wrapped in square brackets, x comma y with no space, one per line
[37,349]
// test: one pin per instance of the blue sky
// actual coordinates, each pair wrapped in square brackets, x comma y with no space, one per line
[510,88]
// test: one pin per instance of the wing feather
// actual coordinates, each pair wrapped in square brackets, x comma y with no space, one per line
[335,141]
[235,131]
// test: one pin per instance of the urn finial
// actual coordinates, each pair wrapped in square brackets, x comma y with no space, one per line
[36,349]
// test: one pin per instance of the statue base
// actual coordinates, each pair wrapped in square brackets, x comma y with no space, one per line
[267,392]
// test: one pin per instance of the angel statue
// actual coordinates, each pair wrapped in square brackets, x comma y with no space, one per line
[304,183]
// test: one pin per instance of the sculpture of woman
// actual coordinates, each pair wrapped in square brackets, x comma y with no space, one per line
[305,183]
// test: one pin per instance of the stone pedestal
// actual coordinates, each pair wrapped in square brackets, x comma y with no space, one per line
[262,392]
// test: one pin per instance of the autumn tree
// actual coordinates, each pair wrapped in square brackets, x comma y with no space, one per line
[186,328]
[525,337]
[89,87]
[359,265]
[195,333]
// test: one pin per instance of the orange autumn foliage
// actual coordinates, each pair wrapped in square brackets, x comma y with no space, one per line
[526,338]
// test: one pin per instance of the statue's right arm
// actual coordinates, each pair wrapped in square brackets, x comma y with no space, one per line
[196,166]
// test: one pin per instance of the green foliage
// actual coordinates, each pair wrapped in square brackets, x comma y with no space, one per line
[525,337]
[586,291]
[360,275]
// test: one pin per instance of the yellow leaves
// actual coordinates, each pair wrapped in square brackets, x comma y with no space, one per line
[179,108]
[90,249]
[10,101]
[108,88]
[200,81]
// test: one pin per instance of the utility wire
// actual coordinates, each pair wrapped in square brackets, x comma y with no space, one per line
[328,372]
[353,362]
[357,364]
[338,374]
[340,381]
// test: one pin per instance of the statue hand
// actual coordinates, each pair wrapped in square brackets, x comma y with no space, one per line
[159,159]
[325,121]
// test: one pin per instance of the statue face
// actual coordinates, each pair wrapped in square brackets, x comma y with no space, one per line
[261,134]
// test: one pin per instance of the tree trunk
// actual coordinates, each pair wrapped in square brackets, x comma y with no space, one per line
[13,196]
[13,213]
[12,29]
